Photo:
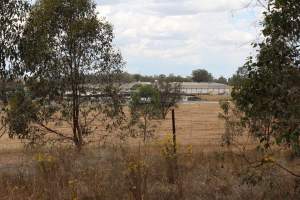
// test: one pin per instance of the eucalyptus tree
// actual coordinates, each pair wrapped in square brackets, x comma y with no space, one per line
[64,42]
[169,96]
[144,107]
[12,17]
[201,75]
[268,92]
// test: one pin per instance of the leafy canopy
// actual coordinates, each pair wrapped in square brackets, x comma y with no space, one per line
[169,95]
[63,43]
[268,90]
[201,75]
[12,17]
[144,107]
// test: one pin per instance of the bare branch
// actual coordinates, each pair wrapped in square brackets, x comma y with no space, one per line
[55,132]
[262,4]
[2,131]
[286,169]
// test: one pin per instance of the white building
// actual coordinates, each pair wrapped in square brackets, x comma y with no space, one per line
[189,88]
[205,88]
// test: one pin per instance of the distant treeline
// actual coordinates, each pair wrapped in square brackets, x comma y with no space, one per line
[199,75]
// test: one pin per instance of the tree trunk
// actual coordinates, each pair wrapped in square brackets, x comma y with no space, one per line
[77,134]
[3,91]
[3,79]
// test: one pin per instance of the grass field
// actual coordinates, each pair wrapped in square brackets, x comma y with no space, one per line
[137,174]
[196,124]
[203,169]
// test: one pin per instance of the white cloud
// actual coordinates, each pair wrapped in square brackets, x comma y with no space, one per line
[185,32]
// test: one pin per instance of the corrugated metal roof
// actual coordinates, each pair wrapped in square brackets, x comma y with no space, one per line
[203,85]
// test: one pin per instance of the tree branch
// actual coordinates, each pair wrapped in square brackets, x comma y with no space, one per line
[55,132]
[287,170]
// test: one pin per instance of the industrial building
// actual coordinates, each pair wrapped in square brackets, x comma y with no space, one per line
[194,88]
[188,88]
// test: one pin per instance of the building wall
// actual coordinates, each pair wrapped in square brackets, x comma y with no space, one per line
[214,91]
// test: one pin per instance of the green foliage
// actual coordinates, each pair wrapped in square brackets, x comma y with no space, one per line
[136,87]
[169,96]
[269,91]
[221,80]
[127,78]
[234,124]
[145,100]
[44,88]
[236,78]
[144,107]
[63,44]
[20,113]
[201,75]
[174,78]
[13,13]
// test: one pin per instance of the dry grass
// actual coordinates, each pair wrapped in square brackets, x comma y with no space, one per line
[132,173]
[124,171]
[196,124]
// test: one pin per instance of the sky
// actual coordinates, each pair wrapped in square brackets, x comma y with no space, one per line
[178,36]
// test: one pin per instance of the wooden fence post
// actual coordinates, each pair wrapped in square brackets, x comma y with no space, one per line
[174,132]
